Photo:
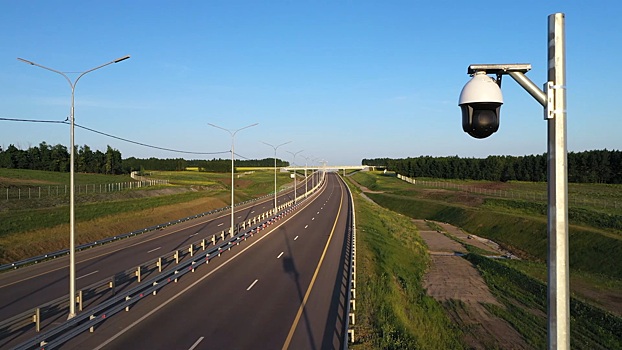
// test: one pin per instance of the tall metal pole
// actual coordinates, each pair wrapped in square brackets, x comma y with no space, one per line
[293,164]
[275,148]
[232,133]
[306,180]
[558,271]
[72,243]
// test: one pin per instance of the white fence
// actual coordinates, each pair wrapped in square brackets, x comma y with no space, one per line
[524,195]
[19,193]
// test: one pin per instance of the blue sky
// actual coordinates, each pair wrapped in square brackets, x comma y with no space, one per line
[342,80]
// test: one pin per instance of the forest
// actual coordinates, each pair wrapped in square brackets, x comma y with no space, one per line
[598,166]
[57,158]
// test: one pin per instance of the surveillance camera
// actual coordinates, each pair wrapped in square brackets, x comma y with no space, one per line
[480,101]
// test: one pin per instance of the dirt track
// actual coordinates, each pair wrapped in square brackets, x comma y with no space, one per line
[453,281]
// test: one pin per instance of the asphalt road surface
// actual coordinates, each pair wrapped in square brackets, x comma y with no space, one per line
[31,286]
[283,289]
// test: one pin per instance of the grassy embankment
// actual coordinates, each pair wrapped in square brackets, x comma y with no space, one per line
[392,310]
[519,285]
[36,226]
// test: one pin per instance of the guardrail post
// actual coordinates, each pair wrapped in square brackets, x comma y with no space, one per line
[36,318]
[352,318]
[79,300]
[137,273]
[155,291]
[222,236]
[127,308]
[159,264]
[112,285]
[351,335]
[353,304]
[353,293]
[203,244]
[92,329]
[214,240]
[191,249]
[177,257]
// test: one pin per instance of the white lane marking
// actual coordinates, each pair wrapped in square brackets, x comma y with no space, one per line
[196,343]
[318,212]
[280,255]
[312,219]
[252,284]
[171,299]
[153,250]
[88,274]
[193,235]
[295,238]
[306,226]
[222,223]
[252,212]
[239,217]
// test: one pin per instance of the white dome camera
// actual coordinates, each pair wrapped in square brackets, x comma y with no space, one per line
[480,102]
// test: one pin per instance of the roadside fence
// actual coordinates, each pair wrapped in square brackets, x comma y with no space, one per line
[21,193]
[524,195]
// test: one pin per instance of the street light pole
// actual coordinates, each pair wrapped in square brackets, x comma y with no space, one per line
[275,148]
[232,133]
[293,164]
[306,180]
[72,246]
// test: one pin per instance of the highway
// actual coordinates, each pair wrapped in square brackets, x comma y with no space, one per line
[31,286]
[282,289]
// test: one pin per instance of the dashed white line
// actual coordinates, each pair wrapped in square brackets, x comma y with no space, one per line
[306,226]
[252,212]
[295,238]
[153,250]
[88,274]
[196,343]
[222,223]
[194,234]
[252,284]
[318,212]
[312,219]
[280,255]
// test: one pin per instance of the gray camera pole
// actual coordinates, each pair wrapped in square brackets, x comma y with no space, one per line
[557,183]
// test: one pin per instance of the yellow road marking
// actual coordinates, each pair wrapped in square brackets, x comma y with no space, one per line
[317,270]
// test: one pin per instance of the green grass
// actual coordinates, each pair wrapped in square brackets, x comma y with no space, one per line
[524,301]
[251,183]
[518,226]
[24,177]
[34,215]
[393,310]
[16,221]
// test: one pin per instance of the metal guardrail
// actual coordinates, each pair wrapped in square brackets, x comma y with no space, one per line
[56,254]
[351,295]
[59,305]
[87,320]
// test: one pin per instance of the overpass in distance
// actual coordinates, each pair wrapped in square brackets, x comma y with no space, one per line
[333,168]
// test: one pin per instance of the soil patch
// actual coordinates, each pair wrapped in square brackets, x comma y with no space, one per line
[454,282]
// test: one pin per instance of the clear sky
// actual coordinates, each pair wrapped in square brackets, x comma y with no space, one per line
[342,80]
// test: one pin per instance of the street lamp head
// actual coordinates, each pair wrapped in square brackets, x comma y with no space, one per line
[25,61]
[480,102]
[121,59]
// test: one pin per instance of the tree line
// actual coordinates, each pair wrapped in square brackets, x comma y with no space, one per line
[598,166]
[57,158]
[214,165]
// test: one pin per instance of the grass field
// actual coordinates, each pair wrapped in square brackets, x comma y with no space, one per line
[37,226]
[596,277]
[393,311]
